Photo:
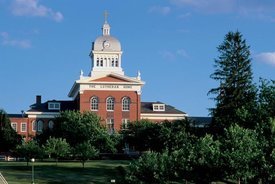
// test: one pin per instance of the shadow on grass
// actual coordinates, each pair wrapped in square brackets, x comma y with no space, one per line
[95,172]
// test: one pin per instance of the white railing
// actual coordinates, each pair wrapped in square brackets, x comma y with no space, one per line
[2,179]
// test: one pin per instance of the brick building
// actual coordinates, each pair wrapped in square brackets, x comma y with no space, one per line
[107,91]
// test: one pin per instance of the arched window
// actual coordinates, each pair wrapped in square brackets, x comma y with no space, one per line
[51,123]
[110,103]
[126,104]
[94,103]
[40,126]
[34,126]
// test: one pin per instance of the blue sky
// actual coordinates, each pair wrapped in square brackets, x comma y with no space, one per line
[45,43]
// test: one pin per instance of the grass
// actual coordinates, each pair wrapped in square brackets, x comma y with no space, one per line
[97,171]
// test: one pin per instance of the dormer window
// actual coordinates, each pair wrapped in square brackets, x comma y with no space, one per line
[158,107]
[54,106]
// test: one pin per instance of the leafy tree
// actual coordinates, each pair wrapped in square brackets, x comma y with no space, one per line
[57,147]
[175,135]
[240,149]
[29,150]
[85,151]
[77,127]
[9,139]
[142,135]
[235,95]
[206,160]
[153,168]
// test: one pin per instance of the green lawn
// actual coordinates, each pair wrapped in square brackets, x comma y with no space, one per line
[97,171]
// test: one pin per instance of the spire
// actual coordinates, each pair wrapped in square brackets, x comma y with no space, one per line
[106,16]
[106,27]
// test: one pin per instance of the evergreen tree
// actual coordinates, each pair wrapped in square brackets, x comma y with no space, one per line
[235,96]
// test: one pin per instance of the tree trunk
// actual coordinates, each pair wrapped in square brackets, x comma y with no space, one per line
[239,181]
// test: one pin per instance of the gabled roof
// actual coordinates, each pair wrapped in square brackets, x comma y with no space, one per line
[115,78]
[102,78]
[147,108]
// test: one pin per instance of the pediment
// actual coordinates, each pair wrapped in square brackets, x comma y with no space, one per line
[110,79]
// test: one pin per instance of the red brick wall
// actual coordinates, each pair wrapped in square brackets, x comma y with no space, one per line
[117,114]
[29,134]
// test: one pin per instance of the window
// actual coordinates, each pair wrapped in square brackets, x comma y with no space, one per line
[54,106]
[34,126]
[23,127]
[125,123]
[113,62]
[97,62]
[94,103]
[101,62]
[40,126]
[51,123]
[126,104]
[110,126]
[110,103]
[14,126]
[116,62]
[159,107]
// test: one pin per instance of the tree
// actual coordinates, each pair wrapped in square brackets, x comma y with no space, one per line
[9,139]
[29,150]
[153,168]
[57,147]
[85,151]
[236,93]
[206,160]
[77,127]
[240,150]
[142,135]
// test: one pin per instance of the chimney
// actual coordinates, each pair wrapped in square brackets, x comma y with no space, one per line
[38,99]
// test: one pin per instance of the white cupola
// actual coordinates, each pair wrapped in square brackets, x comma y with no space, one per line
[106,53]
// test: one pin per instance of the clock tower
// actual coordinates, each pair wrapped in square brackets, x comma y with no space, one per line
[106,91]
[106,53]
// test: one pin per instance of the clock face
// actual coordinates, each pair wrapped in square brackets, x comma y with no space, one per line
[106,44]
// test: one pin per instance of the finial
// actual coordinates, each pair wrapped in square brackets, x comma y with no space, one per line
[106,16]
[81,74]
[139,75]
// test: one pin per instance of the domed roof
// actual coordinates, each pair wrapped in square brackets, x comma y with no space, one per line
[106,43]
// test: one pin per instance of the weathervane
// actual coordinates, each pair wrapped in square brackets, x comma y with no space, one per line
[106,15]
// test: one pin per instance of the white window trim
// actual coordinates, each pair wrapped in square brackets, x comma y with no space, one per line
[128,104]
[125,123]
[34,126]
[55,105]
[112,105]
[91,103]
[40,126]
[14,127]
[110,121]
[159,107]
[21,127]
[50,124]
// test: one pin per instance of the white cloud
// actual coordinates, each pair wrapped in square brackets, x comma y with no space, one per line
[164,10]
[266,57]
[7,41]
[172,55]
[33,8]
